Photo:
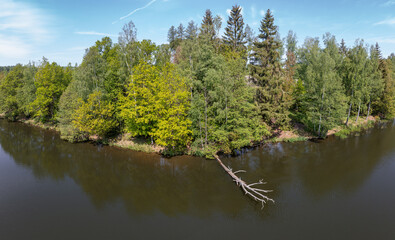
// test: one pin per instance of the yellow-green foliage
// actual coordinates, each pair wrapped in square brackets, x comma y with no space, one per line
[156,105]
[95,117]
[51,81]
[172,104]
[137,108]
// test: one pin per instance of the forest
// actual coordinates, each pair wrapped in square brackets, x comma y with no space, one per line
[204,92]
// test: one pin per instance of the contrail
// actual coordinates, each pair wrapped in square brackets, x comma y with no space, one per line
[135,10]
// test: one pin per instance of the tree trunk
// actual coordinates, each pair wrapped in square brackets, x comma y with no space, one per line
[367,116]
[200,130]
[226,111]
[255,193]
[348,115]
[349,108]
[359,109]
[319,127]
[205,113]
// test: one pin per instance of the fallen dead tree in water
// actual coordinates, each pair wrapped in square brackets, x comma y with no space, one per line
[255,193]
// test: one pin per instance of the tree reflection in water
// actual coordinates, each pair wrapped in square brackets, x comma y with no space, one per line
[146,183]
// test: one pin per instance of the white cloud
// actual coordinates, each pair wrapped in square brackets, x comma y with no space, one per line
[253,12]
[135,10]
[228,11]
[388,3]
[13,47]
[22,28]
[95,34]
[262,13]
[386,22]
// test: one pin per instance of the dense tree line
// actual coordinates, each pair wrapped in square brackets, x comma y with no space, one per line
[203,91]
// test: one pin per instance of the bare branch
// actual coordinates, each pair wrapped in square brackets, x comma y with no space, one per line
[253,192]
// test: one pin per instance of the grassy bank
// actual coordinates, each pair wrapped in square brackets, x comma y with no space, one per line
[354,127]
[135,144]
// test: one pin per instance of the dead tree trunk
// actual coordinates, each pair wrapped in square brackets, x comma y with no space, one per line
[255,193]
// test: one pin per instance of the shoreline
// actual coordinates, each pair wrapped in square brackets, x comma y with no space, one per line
[296,134]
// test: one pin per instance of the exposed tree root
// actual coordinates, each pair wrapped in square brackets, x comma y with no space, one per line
[255,193]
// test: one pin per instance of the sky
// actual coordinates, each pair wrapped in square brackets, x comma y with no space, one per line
[61,30]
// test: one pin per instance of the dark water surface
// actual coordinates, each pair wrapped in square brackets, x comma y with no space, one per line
[334,189]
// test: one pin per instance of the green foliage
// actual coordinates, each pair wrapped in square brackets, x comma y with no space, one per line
[267,74]
[385,104]
[348,130]
[210,100]
[68,104]
[9,88]
[50,80]
[95,117]
[26,94]
[191,31]
[361,78]
[137,108]
[156,104]
[223,112]
[324,101]
[207,28]
[234,31]
[172,106]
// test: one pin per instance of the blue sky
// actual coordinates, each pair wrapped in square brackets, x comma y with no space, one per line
[61,30]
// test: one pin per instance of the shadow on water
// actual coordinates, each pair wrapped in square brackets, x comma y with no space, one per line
[144,183]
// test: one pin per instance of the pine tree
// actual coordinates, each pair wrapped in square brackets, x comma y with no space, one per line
[343,48]
[207,28]
[171,37]
[234,31]
[180,32]
[191,31]
[267,75]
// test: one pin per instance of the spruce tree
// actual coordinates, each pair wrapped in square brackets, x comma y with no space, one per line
[180,32]
[267,75]
[234,31]
[171,37]
[191,31]
[207,27]
[343,48]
